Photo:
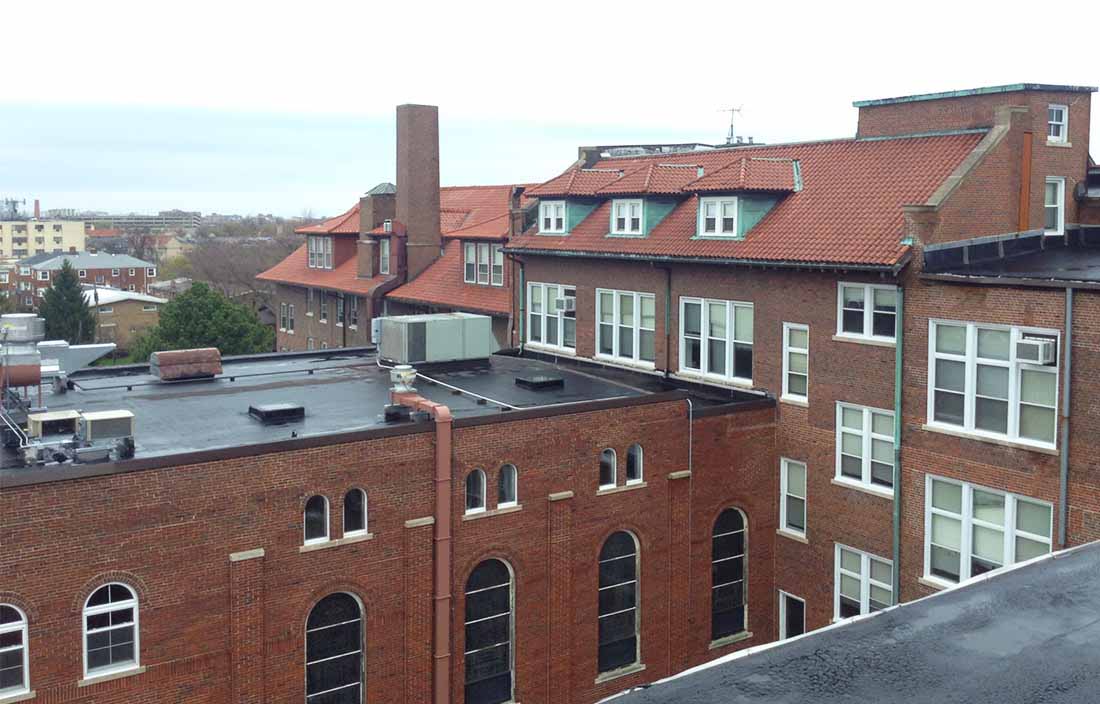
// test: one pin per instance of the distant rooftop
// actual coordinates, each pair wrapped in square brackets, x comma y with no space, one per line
[84,260]
[1009,88]
[1026,635]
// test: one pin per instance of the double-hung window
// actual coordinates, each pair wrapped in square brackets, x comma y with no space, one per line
[483,263]
[309,302]
[110,630]
[354,322]
[994,381]
[322,306]
[553,316]
[626,217]
[865,446]
[339,310]
[792,496]
[290,318]
[552,217]
[717,217]
[469,255]
[282,316]
[796,361]
[867,311]
[14,660]
[716,338]
[625,325]
[862,583]
[1054,206]
[969,530]
[384,255]
[1057,123]
[320,252]
[498,265]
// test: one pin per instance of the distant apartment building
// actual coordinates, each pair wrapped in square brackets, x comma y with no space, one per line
[30,277]
[122,315]
[187,220]
[25,238]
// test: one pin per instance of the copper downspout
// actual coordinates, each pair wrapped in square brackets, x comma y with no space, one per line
[1024,215]
[441,663]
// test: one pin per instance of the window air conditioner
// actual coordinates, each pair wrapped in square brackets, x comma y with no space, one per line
[567,304]
[1032,350]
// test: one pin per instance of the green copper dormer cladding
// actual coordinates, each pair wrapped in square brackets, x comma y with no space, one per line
[567,212]
[750,209]
[654,210]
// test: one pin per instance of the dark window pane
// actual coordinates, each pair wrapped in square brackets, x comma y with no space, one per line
[475,494]
[490,573]
[354,513]
[618,598]
[346,695]
[727,623]
[742,361]
[120,593]
[329,674]
[726,571]
[796,618]
[617,571]
[728,521]
[8,640]
[796,513]
[334,640]
[853,321]
[945,563]
[716,356]
[729,545]
[536,328]
[486,663]
[949,408]
[607,333]
[727,598]
[884,324]
[615,655]
[122,616]
[882,474]
[607,468]
[851,466]
[693,353]
[99,621]
[979,566]
[11,658]
[491,691]
[991,415]
[316,517]
[12,677]
[617,627]
[491,631]
[8,614]
[98,658]
[490,602]
[122,653]
[618,545]
[848,607]
[100,596]
[626,342]
[98,641]
[333,609]
[634,462]
[693,319]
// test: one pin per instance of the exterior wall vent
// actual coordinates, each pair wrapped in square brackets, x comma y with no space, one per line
[540,382]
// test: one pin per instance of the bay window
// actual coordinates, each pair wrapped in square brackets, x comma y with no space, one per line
[553,315]
[626,217]
[626,325]
[716,338]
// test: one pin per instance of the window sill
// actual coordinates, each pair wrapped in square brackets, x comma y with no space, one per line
[627,235]
[714,379]
[1062,145]
[552,233]
[935,583]
[551,349]
[16,697]
[860,340]
[625,363]
[96,679]
[621,672]
[800,401]
[730,640]
[733,238]
[1005,442]
[494,512]
[797,537]
[866,489]
[346,540]
[618,489]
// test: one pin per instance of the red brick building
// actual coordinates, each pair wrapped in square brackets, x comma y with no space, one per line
[29,278]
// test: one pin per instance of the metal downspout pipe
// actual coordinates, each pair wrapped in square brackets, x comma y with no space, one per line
[898,367]
[1063,479]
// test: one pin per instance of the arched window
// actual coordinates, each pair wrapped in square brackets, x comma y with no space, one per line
[634,463]
[727,572]
[334,651]
[14,678]
[607,468]
[110,630]
[355,512]
[618,602]
[489,657]
[509,483]
[475,491]
[316,519]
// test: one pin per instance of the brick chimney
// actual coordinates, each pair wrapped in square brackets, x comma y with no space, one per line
[418,183]
[37,210]
[375,207]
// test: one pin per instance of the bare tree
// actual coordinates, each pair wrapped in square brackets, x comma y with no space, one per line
[141,244]
[231,264]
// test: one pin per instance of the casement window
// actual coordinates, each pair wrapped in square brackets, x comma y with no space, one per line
[334,651]
[498,265]
[865,446]
[625,325]
[866,311]
[14,652]
[309,303]
[110,630]
[716,338]
[792,616]
[488,648]
[320,252]
[355,512]
[727,569]
[384,255]
[626,217]
[717,217]
[322,306]
[282,316]
[552,217]
[796,361]
[634,460]
[339,309]
[475,491]
[315,520]
[354,316]
[792,497]
[552,320]
[290,318]
[469,250]
[618,602]
[1054,206]
[608,469]
[862,583]
[508,486]
[1057,123]
[994,381]
[970,530]
[43,276]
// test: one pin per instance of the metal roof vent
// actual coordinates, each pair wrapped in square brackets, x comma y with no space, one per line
[277,413]
[540,382]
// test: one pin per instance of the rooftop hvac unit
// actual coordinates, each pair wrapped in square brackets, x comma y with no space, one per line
[442,337]
[52,423]
[1035,350]
[96,426]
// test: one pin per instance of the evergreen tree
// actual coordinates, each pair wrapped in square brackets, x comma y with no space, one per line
[67,314]
[202,317]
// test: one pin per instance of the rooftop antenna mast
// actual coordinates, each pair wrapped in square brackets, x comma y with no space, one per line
[11,208]
[733,113]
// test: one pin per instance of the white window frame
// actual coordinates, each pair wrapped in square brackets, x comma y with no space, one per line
[1063,124]
[640,462]
[1060,183]
[734,336]
[133,272]
[309,303]
[82,273]
[282,317]
[970,359]
[628,207]
[636,358]
[480,474]
[148,308]
[497,266]
[868,312]
[968,521]
[483,263]
[19,627]
[290,318]
[865,579]
[151,272]
[783,616]
[106,309]
[24,271]
[784,467]
[43,275]
[867,436]
[366,514]
[720,203]
[787,351]
[383,255]
[509,467]
[353,316]
[548,316]
[339,310]
[555,212]
[131,603]
[614,469]
[469,262]
[116,272]
[328,522]
[320,251]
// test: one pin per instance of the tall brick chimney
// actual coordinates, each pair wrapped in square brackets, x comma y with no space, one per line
[418,183]
[37,210]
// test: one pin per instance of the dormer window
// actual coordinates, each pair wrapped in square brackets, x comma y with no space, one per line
[384,255]
[718,217]
[552,217]
[1057,123]
[626,217]
[320,252]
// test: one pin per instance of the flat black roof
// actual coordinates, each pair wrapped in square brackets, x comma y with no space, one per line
[1027,635]
[1029,258]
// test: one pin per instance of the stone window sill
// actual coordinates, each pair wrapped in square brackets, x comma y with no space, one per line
[699,377]
[864,340]
[730,640]
[795,401]
[347,540]
[859,486]
[494,512]
[1061,145]
[1005,442]
[13,698]
[551,349]
[797,537]
[621,672]
[935,583]
[89,681]
[624,487]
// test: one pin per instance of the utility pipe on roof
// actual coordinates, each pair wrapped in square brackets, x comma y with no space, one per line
[898,347]
[441,547]
[1063,479]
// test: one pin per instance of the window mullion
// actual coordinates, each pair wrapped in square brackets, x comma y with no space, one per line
[970,384]
[864,583]
[1010,530]
[965,539]
[1014,377]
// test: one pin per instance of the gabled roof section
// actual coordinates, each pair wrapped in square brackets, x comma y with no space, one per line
[295,270]
[344,224]
[85,260]
[441,284]
[653,179]
[577,182]
[750,174]
[477,212]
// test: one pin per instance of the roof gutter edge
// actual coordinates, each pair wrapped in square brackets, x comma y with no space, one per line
[763,263]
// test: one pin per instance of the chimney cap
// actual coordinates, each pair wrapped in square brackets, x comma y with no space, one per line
[384,188]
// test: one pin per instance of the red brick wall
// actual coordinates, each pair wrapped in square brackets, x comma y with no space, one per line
[307,322]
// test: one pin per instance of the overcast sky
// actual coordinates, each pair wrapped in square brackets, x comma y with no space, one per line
[248,107]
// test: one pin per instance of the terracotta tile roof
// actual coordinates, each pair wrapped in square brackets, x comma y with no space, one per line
[103,232]
[579,182]
[653,179]
[441,284]
[295,270]
[849,210]
[345,224]
[748,174]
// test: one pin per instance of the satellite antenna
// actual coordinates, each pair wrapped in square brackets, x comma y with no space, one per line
[733,112]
